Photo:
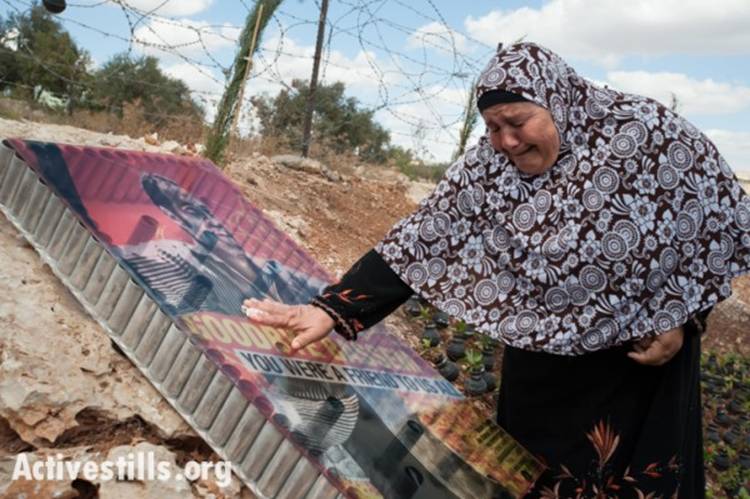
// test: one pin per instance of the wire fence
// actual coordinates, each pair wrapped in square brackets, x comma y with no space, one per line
[413,76]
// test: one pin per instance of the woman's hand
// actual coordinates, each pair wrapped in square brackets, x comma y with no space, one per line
[658,350]
[308,323]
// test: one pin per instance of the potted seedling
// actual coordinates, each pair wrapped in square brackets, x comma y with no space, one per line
[722,461]
[429,351]
[733,436]
[457,346]
[713,433]
[722,418]
[425,314]
[441,319]
[490,380]
[430,333]
[447,368]
[469,332]
[744,459]
[488,350]
[475,383]
[413,307]
[712,363]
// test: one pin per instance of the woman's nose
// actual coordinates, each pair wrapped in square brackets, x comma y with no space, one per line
[509,140]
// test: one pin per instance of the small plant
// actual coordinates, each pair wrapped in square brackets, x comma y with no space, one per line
[486,343]
[474,359]
[425,314]
[475,384]
[460,327]
[429,352]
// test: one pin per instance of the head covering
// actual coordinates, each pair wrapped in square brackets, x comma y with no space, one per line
[638,225]
[492,97]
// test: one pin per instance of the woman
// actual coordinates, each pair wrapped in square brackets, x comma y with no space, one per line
[591,231]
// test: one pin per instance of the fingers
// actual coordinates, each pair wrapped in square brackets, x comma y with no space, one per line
[269,306]
[269,313]
[660,350]
[648,357]
[643,345]
[305,339]
[308,323]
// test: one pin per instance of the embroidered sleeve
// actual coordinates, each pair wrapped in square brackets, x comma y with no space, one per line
[364,296]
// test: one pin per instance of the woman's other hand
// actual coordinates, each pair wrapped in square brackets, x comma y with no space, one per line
[658,350]
[308,323]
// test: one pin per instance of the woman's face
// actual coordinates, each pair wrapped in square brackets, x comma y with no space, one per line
[525,133]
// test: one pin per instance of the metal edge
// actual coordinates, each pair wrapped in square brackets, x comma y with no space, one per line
[267,433]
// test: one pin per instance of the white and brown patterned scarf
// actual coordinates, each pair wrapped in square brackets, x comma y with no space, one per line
[638,225]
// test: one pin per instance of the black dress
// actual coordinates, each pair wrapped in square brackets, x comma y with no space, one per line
[604,425]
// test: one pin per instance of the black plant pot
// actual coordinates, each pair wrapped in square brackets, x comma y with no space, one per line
[490,380]
[446,368]
[733,437]
[713,433]
[721,461]
[431,333]
[735,406]
[413,307]
[712,364]
[456,347]
[489,358]
[722,418]
[441,319]
[744,458]
[712,385]
[475,383]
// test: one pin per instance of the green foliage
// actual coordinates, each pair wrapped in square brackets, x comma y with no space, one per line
[461,327]
[474,358]
[470,118]
[229,105]
[425,314]
[486,342]
[45,55]
[127,80]
[338,121]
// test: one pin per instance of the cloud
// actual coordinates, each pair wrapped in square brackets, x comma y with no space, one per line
[168,38]
[606,30]
[437,36]
[170,7]
[735,147]
[430,126]
[695,97]
[282,60]
[207,89]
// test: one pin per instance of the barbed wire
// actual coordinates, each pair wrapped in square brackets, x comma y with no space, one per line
[425,92]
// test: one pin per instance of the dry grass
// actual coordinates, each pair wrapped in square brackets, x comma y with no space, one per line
[133,122]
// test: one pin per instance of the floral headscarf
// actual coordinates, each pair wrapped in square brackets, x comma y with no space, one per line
[638,225]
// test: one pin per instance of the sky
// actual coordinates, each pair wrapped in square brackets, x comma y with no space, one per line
[412,62]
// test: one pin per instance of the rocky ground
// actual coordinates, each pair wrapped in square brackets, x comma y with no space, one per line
[64,389]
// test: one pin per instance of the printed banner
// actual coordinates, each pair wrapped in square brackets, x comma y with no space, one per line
[377,418]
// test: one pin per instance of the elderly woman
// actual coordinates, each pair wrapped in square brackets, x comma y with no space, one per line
[591,231]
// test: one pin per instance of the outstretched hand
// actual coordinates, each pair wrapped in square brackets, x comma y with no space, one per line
[658,350]
[308,323]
